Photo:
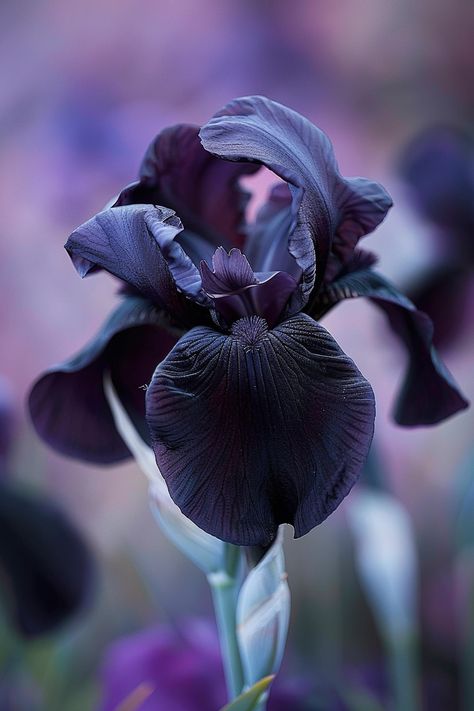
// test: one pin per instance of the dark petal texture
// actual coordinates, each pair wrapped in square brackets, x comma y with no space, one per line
[429,393]
[136,244]
[46,570]
[237,291]
[259,427]
[323,202]
[67,404]
[177,172]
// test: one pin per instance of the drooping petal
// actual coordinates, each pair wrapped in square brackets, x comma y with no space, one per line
[177,172]
[429,393]
[257,129]
[67,404]
[259,427]
[46,569]
[137,244]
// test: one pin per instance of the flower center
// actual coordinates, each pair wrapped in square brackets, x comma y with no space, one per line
[237,291]
[249,331]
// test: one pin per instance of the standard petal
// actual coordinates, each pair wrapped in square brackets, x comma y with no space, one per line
[237,291]
[429,393]
[203,190]
[46,569]
[255,128]
[259,427]
[67,404]
[137,244]
[365,205]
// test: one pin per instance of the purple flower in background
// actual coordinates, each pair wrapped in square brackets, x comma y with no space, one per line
[255,414]
[45,567]
[438,167]
[177,670]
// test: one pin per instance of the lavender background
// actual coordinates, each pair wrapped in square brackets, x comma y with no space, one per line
[84,87]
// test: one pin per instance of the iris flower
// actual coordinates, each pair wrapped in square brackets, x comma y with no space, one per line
[178,669]
[46,568]
[256,415]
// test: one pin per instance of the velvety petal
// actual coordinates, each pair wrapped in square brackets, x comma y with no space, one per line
[46,569]
[429,393]
[177,172]
[137,244]
[67,404]
[257,129]
[259,427]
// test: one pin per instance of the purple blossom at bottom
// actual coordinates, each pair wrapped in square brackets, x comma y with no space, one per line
[183,666]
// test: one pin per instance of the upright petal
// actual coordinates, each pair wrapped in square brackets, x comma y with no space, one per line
[266,245]
[429,393]
[137,244]
[237,291]
[257,129]
[365,206]
[177,172]
[67,404]
[259,427]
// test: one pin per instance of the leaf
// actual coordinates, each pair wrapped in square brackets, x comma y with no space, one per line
[250,699]
[263,612]
[386,560]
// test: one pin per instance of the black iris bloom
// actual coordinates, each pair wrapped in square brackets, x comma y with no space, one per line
[255,414]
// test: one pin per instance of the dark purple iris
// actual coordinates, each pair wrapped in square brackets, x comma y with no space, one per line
[178,670]
[438,167]
[255,414]
[46,569]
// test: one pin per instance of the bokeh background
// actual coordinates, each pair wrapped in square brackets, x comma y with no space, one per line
[83,89]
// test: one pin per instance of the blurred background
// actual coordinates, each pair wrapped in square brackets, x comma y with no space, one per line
[84,88]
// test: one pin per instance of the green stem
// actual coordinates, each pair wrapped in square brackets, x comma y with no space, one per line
[404,672]
[224,594]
